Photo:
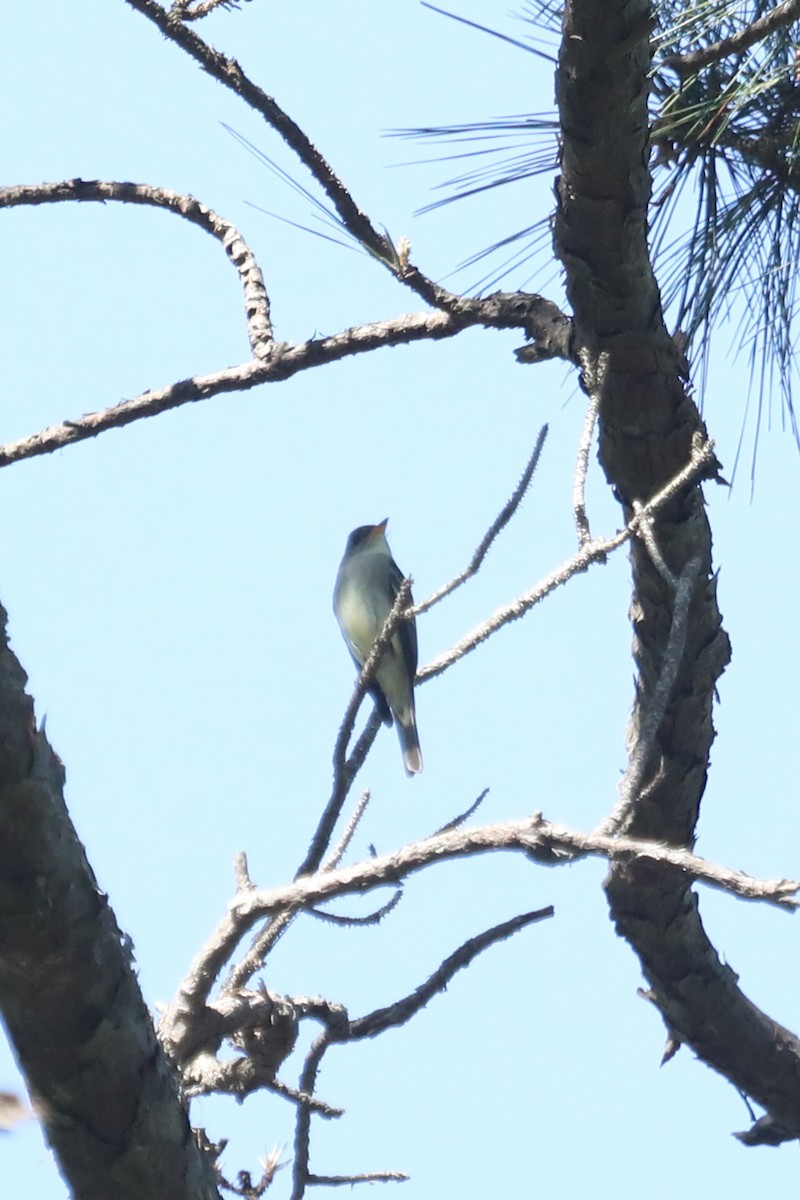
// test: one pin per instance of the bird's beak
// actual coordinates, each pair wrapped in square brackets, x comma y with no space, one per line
[380,528]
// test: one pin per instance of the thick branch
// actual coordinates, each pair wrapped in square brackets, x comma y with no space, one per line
[647,421]
[102,1088]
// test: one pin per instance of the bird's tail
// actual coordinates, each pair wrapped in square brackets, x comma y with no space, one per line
[409,742]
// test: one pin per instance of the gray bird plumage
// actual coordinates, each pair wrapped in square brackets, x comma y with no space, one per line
[366,588]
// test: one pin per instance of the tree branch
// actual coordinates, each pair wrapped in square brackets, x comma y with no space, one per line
[647,421]
[598,550]
[283,362]
[103,1090]
[754,31]
[533,836]
[496,527]
[228,72]
[256,300]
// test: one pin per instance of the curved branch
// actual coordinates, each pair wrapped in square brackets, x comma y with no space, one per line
[256,300]
[403,1010]
[228,72]
[542,841]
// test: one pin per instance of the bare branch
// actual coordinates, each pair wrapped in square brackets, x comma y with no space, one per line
[651,718]
[465,815]
[373,918]
[302,1131]
[500,522]
[365,1177]
[284,361]
[207,1075]
[256,300]
[403,1010]
[343,1030]
[593,552]
[545,843]
[533,836]
[339,851]
[228,72]
[646,533]
[594,377]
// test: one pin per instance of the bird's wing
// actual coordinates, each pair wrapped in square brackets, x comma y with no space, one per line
[407,630]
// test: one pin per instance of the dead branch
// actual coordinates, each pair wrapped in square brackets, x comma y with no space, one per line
[496,527]
[641,751]
[256,300]
[403,1010]
[542,841]
[592,552]
[283,362]
[594,375]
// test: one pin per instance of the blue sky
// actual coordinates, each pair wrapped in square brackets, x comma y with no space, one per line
[169,587]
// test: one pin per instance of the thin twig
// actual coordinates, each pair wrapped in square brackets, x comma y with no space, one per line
[459,820]
[373,918]
[401,1011]
[302,1129]
[363,1177]
[264,941]
[646,533]
[642,750]
[339,851]
[593,552]
[594,377]
[500,522]
[241,873]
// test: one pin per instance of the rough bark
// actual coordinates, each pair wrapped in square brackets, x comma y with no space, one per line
[68,995]
[646,423]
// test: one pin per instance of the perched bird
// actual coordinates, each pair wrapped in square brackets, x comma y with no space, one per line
[366,588]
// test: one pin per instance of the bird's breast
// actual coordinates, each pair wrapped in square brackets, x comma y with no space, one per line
[357,618]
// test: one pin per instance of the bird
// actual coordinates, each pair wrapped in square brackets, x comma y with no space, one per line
[366,588]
